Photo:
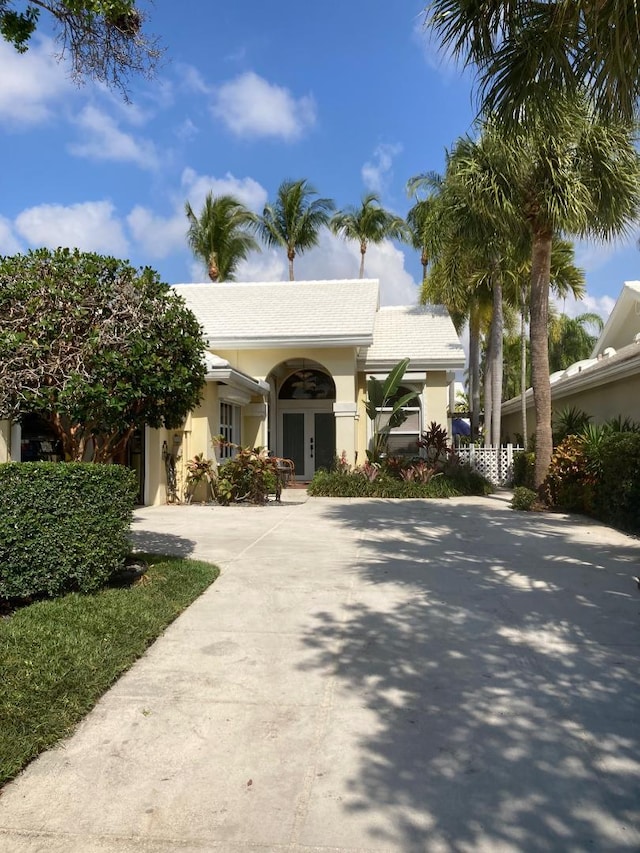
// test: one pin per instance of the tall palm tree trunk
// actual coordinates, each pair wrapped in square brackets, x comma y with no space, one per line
[497,326]
[474,369]
[523,366]
[538,330]
[488,391]
[363,250]
[291,255]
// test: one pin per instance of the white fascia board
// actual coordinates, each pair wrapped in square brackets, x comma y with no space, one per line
[238,380]
[414,366]
[279,342]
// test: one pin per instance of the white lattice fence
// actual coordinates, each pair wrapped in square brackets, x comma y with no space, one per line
[494,463]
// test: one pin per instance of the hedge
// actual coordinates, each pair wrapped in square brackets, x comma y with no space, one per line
[617,490]
[356,485]
[63,527]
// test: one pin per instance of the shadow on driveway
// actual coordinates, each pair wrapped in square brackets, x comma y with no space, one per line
[498,685]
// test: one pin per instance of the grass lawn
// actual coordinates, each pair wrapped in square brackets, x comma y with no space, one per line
[58,657]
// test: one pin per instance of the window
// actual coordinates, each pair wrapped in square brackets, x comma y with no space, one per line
[229,429]
[403,440]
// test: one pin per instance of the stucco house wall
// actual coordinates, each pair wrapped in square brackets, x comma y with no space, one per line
[604,386]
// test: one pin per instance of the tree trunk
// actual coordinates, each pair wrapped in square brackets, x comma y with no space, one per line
[474,370]
[497,325]
[291,255]
[488,392]
[523,366]
[538,330]
[363,250]
[214,272]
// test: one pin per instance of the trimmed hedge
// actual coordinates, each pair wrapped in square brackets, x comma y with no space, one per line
[356,485]
[64,527]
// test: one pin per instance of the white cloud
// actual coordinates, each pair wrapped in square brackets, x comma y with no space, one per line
[9,244]
[267,265]
[572,307]
[90,226]
[31,82]
[252,194]
[105,141]
[335,258]
[159,236]
[252,107]
[377,172]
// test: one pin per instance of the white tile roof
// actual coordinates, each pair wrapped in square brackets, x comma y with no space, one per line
[423,333]
[314,313]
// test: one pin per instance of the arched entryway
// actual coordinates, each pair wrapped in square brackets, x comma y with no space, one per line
[304,421]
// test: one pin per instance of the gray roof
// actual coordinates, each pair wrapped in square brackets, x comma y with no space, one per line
[423,333]
[284,314]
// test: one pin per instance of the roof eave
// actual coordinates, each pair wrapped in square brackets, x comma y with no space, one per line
[280,342]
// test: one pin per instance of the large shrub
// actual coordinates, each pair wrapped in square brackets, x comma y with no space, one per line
[568,484]
[617,491]
[523,468]
[63,527]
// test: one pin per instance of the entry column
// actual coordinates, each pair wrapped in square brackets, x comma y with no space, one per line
[346,415]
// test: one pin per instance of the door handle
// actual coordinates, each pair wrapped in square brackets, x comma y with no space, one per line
[311,446]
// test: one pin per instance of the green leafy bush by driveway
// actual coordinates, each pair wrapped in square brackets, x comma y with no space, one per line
[63,527]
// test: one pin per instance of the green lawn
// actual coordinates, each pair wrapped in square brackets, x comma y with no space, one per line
[58,657]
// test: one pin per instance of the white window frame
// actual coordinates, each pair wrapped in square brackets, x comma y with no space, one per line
[401,430]
[229,421]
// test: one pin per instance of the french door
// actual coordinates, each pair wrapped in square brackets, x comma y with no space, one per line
[308,437]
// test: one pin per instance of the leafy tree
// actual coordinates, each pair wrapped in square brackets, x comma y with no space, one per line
[219,237]
[96,348]
[369,223]
[103,39]
[532,57]
[294,220]
[570,339]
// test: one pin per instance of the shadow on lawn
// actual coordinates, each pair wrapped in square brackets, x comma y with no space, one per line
[500,680]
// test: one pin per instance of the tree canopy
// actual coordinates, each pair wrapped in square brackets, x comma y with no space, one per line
[533,55]
[96,348]
[368,223]
[219,236]
[103,39]
[294,220]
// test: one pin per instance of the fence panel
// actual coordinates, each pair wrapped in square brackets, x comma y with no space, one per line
[494,463]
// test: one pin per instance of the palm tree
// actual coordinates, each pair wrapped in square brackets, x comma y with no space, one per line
[422,219]
[369,223]
[584,180]
[532,57]
[570,340]
[219,236]
[295,219]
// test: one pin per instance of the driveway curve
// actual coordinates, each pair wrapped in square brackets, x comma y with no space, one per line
[365,676]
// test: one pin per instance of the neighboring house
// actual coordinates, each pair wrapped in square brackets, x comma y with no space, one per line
[287,366]
[604,386]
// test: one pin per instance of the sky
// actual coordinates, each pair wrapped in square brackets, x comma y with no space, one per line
[350,95]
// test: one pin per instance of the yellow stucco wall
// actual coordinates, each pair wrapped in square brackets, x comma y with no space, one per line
[602,403]
[435,397]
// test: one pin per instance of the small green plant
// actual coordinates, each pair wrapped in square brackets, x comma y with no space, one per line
[523,498]
[435,442]
[200,470]
[570,421]
[523,469]
[250,476]
[383,403]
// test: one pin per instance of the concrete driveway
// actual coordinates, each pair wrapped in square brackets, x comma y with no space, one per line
[365,676]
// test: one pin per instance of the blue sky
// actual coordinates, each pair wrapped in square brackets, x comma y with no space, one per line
[347,94]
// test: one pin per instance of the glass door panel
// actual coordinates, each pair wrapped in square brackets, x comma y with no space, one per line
[324,439]
[293,440]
